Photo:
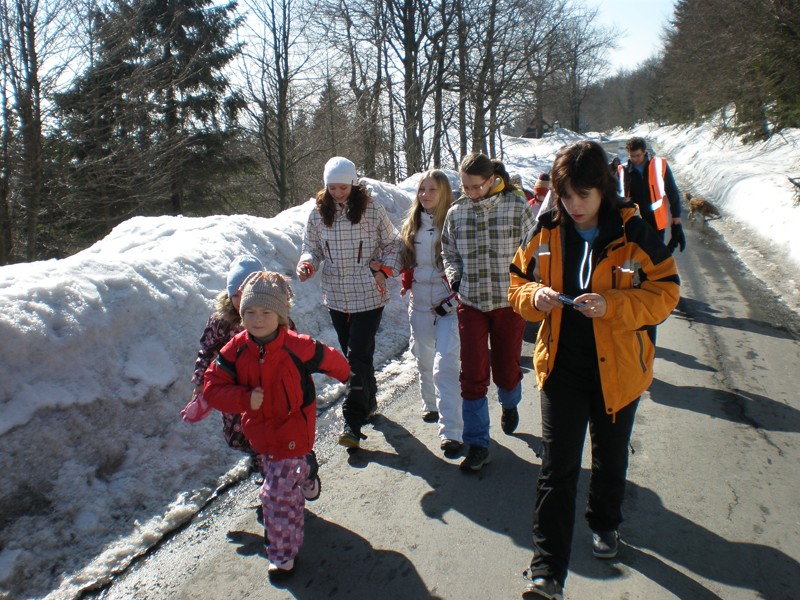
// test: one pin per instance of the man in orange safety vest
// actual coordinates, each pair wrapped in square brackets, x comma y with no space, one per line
[649,183]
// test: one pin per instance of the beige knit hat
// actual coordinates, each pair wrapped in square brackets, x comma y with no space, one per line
[542,183]
[268,290]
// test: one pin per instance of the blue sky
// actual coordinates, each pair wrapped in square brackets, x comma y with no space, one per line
[642,23]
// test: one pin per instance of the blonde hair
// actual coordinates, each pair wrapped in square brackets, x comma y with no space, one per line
[408,255]
[224,309]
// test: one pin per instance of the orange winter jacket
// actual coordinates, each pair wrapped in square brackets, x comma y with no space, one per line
[637,277]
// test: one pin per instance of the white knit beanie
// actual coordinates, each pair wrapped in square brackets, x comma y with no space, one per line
[340,170]
[268,290]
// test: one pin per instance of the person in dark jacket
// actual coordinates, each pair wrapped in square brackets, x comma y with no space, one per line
[597,276]
[649,183]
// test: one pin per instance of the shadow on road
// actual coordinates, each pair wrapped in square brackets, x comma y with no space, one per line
[737,406]
[493,498]
[682,359]
[335,562]
[651,527]
[690,309]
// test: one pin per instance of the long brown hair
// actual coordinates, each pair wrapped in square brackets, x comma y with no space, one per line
[483,166]
[355,206]
[408,254]
[583,165]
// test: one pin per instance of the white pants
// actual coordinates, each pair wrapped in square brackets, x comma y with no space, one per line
[435,344]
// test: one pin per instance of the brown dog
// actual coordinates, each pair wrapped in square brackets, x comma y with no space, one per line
[704,208]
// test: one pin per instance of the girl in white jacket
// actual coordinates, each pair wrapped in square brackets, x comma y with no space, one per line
[431,311]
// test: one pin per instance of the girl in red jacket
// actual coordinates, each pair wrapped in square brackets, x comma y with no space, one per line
[264,374]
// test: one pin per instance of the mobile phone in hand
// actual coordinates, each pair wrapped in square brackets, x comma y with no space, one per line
[569,301]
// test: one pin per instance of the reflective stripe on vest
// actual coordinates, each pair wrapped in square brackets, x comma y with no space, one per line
[658,170]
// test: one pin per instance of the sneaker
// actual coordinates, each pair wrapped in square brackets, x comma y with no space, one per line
[509,420]
[543,587]
[350,437]
[280,570]
[605,544]
[452,448]
[430,416]
[476,458]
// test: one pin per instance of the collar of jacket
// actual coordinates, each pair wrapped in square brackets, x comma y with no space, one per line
[269,346]
[498,188]
[612,230]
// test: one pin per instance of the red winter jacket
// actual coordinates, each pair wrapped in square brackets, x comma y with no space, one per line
[284,426]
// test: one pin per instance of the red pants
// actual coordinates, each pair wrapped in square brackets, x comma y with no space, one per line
[501,330]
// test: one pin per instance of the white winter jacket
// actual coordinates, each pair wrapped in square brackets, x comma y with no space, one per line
[429,286]
[345,250]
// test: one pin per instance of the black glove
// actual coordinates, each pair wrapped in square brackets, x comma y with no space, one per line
[446,305]
[676,238]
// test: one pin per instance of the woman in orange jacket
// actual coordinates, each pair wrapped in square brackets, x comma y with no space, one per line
[600,279]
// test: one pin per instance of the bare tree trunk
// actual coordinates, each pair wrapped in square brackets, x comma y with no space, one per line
[393,167]
[6,239]
[463,82]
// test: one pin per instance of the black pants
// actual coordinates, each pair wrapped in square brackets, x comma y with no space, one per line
[356,333]
[569,403]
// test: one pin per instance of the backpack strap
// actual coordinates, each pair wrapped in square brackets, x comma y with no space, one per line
[230,366]
[306,368]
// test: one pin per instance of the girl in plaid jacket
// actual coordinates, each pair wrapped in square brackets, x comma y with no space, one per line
[482,232]
[350,239]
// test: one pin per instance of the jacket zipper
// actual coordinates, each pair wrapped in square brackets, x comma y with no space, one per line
[328,249]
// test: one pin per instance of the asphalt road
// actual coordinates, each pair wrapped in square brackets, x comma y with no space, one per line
[712,509]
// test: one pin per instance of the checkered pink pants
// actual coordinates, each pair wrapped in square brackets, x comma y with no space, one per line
[283,504]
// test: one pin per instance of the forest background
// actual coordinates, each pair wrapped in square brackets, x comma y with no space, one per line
[120,108]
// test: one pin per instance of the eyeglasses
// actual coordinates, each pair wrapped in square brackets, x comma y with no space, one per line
[473,188]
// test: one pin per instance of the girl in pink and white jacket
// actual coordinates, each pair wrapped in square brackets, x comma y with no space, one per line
[431,312]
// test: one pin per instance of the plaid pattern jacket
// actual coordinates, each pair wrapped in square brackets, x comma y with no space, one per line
[479,241]
[344,251]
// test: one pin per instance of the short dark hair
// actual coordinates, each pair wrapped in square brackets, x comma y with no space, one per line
[584,165]
[636,143]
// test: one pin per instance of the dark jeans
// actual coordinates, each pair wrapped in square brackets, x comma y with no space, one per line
[356,333]
[568,405]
